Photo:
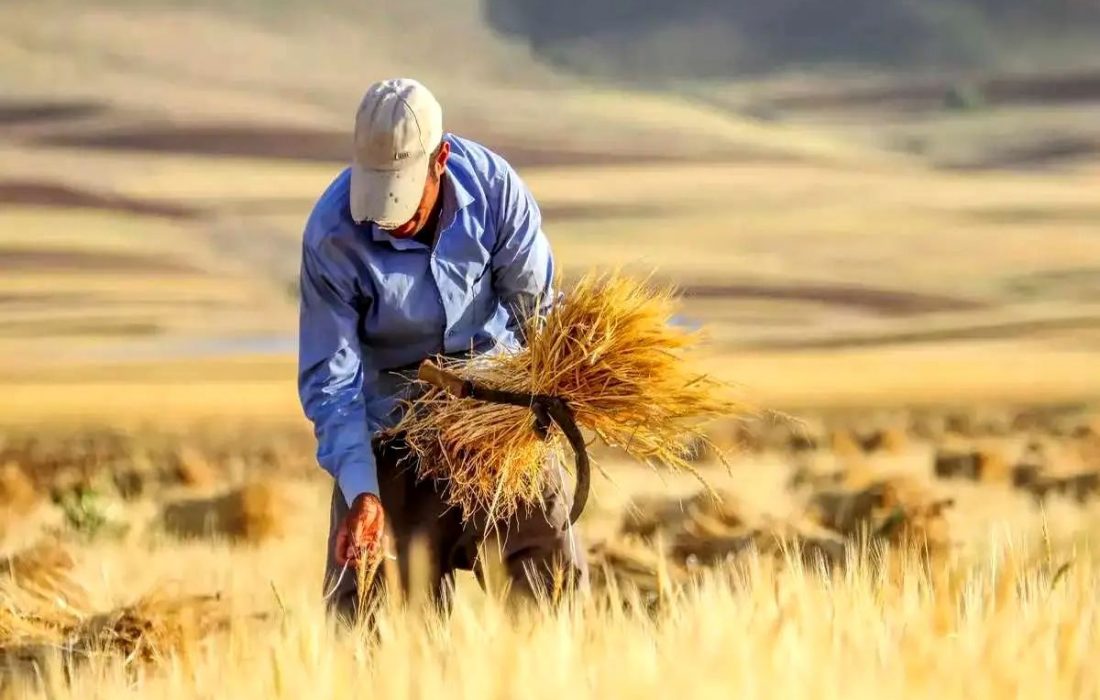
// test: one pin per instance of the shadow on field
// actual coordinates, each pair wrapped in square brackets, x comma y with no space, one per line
[53,194]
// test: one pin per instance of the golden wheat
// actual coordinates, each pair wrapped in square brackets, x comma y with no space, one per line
[611,349]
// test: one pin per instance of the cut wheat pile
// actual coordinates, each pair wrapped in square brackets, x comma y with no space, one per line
[610,349]
[45,614]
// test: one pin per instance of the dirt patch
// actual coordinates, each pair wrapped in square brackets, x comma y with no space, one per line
[35,300]
[25,112]
[50,194]
[47,301]
[1024,214]
[933,93]
[1043,89]
[989,331]
[232,140]
[1045,152]
[44,260]
[1077,283]
[891,302]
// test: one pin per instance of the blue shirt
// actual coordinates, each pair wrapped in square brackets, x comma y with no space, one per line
[371,303]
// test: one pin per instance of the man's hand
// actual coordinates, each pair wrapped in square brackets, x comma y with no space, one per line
[362,529]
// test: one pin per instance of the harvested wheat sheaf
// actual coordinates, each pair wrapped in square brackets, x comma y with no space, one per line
[45,613]
[608,347]
[151,629]
[252,513]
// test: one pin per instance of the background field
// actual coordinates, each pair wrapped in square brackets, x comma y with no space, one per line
[877,235]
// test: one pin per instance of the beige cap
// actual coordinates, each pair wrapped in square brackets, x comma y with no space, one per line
[398,127]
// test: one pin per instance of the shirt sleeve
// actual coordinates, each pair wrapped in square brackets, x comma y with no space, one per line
[523,265]
[330,376]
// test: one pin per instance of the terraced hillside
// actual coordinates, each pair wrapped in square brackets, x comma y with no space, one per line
[157,162]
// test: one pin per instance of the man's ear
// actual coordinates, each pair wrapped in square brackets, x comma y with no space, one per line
[441,157]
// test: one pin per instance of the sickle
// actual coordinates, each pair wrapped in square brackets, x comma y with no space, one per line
[545,408]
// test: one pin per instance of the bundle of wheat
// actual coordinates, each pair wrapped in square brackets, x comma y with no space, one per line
[149,630]
[254,513]
[626,566]
[712,527]
[892,511]
[609,348]
[708,512]
[801,540]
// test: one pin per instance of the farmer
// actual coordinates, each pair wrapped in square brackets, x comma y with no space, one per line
[428,244]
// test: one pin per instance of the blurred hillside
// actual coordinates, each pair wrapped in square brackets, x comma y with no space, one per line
[202,75]
[646,41]
[934,234]
[132,69]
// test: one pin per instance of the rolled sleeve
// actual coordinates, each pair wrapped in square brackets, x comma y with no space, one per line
[330,376]
[523,264]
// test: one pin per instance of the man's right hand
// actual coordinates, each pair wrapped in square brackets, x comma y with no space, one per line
[362,530]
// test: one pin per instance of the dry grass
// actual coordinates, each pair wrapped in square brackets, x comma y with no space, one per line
[194,469]
[198,454]
[836,527]
[41,577]
[1007,625]
[18,495]
[153,630]
[1013,614]
[610,350]
[717,597]
[45,607]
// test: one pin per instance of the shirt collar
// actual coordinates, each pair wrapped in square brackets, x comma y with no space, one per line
[381,236]
[455,198]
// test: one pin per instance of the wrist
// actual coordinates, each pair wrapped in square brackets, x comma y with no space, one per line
[365,498]
[355,480]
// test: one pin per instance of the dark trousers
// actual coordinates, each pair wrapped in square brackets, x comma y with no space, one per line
[536,550]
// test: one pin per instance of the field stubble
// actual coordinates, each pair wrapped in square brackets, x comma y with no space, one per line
[993,629]
[802,580]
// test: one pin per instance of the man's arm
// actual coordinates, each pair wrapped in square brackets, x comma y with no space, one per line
[330,376]
[523,265]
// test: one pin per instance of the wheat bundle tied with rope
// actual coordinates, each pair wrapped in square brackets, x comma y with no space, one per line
[608,347]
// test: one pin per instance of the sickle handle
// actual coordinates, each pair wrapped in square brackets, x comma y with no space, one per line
[440,378]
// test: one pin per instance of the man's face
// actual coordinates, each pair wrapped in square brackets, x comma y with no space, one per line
[428,199]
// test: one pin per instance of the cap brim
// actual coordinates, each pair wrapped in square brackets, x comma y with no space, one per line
[389,198]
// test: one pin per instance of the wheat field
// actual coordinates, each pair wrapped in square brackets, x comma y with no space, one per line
[999,628]
[908,284]
[1007,608]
